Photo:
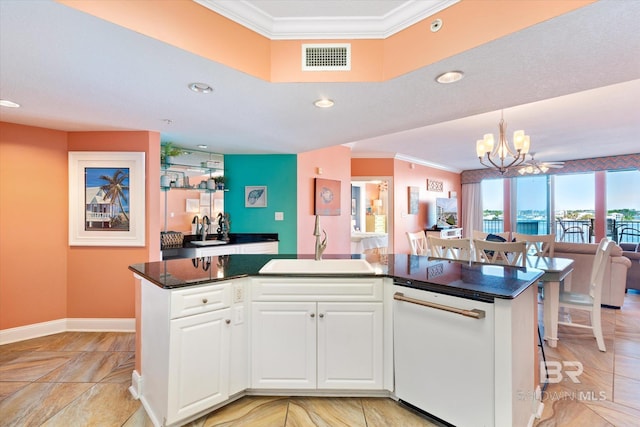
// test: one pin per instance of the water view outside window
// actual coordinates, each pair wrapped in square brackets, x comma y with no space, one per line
[575,201]
[492,205]
[623,206]
[532,207]
[571,199]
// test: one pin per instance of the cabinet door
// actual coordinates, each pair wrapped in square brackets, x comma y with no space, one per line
[350,346]
[198,363]
[283,345]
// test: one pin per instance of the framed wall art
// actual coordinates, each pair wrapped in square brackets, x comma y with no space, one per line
[414,199]
[327,197]
[106,198]
[255,196]
[433,185]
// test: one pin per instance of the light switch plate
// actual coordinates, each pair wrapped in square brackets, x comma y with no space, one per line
[279,216]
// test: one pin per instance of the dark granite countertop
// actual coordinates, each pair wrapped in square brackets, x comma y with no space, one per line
[468,280]
[234,238]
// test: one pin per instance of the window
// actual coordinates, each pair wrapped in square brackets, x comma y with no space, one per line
[623,206]
[532,207]
[492,205]
[575,202]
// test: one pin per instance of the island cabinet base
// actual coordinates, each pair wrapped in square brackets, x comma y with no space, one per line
[468,371]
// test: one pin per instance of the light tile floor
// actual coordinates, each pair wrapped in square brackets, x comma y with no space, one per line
[82,379]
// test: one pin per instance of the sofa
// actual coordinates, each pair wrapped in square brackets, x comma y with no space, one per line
[615,279]
[632,251]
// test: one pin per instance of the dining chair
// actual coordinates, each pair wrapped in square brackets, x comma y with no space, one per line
[542,245]
[590,301]
[570,229]
[505,253]
[458,249]
[418,243]
[481,235]
[538,244]
[628,231]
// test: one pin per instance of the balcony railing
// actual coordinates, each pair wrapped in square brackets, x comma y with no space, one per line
[578,231]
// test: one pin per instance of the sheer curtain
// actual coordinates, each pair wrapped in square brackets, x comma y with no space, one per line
[471,208]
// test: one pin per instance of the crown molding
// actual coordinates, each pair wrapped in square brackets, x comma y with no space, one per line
[398,156]
[313,28]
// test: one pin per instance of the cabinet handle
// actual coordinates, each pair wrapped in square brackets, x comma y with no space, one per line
[313,315]
[227,321]
[321,315]
[204,300]
[474,313]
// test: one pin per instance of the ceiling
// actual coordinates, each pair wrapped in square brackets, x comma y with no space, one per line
[572,83]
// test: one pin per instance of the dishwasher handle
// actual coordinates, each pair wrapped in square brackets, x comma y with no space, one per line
[474,313]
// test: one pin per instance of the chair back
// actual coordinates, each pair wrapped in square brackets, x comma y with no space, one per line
[539,245]
[458,249]
[481,235]
[505,253]
[598,269]
[418,243]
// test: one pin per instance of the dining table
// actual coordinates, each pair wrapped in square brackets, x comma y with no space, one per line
[555,270]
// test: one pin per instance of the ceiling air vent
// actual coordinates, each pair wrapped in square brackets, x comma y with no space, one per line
[326,57]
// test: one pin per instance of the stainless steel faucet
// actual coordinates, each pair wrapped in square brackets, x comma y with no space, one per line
[321,245]
[205,226]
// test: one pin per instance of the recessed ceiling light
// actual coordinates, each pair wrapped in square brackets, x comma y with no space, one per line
[324,103]
[9,104]
[202,146]
[450,77]
[200,87]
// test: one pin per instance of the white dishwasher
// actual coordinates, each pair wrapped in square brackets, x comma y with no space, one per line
[444,359]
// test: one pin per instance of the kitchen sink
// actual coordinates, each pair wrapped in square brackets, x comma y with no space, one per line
[208,242]
[311,266]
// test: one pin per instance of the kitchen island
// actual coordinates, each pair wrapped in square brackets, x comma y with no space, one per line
[214,329]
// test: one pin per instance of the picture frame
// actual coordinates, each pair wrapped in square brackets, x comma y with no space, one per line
[414,200]
[327,197]
[106,198]
[192,206]
[255,196]
[433,185]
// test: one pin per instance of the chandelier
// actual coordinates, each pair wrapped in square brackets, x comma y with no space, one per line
[502,156]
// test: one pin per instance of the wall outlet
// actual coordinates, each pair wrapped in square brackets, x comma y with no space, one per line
[279,216]
[238,293]
[238,315]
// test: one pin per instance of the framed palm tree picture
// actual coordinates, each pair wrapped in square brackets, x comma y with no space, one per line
[106,198]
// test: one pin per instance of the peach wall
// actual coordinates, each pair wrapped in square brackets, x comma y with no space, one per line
[176,202]
[99,282]
[194,28]
[33,225]
[336,164]
[405,176]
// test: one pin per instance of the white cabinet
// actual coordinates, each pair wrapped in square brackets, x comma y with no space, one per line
[350,345]
[198,363]
[283,345]
[230,249]
[186,350]
[318,333]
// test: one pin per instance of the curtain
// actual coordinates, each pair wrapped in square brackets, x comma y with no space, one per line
[471,208]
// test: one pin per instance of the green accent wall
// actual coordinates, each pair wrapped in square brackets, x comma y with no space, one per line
[278,172]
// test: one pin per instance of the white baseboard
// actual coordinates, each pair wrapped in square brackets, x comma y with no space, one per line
[35,330]
[101,325]
[136,385]
[42,329]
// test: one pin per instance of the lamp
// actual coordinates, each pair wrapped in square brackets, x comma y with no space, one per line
[502,156]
